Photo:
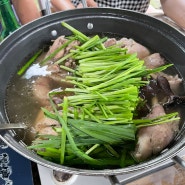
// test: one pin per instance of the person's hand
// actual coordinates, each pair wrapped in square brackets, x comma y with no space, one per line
[61,5]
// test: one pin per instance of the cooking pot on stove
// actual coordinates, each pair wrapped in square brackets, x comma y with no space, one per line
[152,33]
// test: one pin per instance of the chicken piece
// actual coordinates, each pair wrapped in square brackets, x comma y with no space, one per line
[41,88]
[153,61]
[53,68]
[110,42]
[43,125]
[72,45]
[174,81]
[134,47]
[56,44]
[44,84]
[153,139]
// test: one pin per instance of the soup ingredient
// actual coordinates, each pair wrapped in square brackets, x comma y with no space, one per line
[152,139]
[174,81]
[100,137]
[153,61]
[131,46]
[134,47]
[61,47]
[42,85]
[97,120]
[172,98]
[28,64]
[44,124]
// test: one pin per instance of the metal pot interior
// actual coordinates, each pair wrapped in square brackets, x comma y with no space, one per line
[152,33]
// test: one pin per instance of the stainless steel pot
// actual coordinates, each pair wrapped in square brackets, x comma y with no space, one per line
[154,34]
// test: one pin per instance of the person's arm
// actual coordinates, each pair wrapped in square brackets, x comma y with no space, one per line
[26,10]
[61,5]
[90,3]
[175,9]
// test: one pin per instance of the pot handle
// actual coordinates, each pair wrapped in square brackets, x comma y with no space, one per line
[179,161]
[113,180]
[133,177]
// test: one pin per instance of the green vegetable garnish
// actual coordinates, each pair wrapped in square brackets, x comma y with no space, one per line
[29,63]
